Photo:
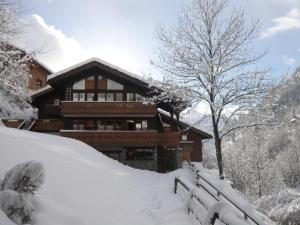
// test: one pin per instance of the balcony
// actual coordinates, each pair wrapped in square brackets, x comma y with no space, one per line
[51,125]
[69,108]
[95,137]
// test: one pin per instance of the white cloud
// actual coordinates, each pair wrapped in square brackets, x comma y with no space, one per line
[57,50]
[289,61]
[285,1]
[285,23]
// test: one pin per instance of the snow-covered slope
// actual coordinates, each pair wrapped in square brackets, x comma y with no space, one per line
[84,187]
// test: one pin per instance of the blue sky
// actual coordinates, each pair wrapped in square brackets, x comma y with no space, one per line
[122,31]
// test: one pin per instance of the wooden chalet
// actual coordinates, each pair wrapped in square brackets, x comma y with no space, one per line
[102,105]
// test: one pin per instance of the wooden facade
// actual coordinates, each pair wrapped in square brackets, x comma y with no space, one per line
[38,77]
[104,106]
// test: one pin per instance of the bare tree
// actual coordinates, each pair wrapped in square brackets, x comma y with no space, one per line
[210,55]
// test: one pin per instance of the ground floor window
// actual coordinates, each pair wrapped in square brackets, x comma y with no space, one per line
[78,125]
[140,154]
[113,154]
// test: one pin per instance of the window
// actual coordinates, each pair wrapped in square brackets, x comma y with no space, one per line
[138,125]
[75,126]
[79,85]
[119,125]
[140,154]
[110,97]
[100,125]
[119,97]
[130,125]
[144,124]
[78,125]
[81,97]
[112,85]
[101,97]
[113,154]
[90,97]
[81,126]
[130,97]
[39,83]
[138,97]
[89,125]
[184,137]
[109,125]
[141,125]
[75,97]
[56,101]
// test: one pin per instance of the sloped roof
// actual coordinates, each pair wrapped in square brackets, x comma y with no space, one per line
[203,134]
[35,59]
[65,73]
[41,91]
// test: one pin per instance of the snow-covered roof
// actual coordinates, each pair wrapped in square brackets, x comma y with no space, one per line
[43,65]
[94,59]
[41,91]
[35,59]
[184,123]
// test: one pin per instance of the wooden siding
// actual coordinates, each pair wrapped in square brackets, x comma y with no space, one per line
[51,125]
[124,137]
[12,123]
[109,108]
[37,72]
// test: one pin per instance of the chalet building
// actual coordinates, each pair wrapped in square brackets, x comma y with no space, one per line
[102,105]
[39,73]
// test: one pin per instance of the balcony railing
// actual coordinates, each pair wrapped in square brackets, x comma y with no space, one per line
[123,137]
[51,125]
[106,108]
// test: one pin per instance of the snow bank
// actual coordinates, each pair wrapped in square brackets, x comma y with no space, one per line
[84,187]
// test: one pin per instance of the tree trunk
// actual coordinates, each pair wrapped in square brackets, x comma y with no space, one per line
[218,146]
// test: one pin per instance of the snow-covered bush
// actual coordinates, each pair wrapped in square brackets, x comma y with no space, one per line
[17,188]
[25,177]
[16,206]
[283,208]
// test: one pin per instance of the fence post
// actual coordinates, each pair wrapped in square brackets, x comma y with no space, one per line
[175,185]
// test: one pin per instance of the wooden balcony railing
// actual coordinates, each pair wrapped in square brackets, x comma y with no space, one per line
[12,123]
[51,125]
[123,137]
[106,108]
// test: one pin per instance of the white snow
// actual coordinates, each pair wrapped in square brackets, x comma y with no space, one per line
[84,187]
[94,59]
[47,88]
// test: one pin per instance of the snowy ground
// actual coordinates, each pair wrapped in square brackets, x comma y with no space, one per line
[84,187]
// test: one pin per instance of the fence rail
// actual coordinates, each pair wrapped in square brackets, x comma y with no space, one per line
[219,193]
[195,193]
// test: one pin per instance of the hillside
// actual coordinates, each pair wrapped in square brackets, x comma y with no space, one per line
[84,187]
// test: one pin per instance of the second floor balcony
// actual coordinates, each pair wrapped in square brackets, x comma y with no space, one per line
[93,108]
[147,137]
